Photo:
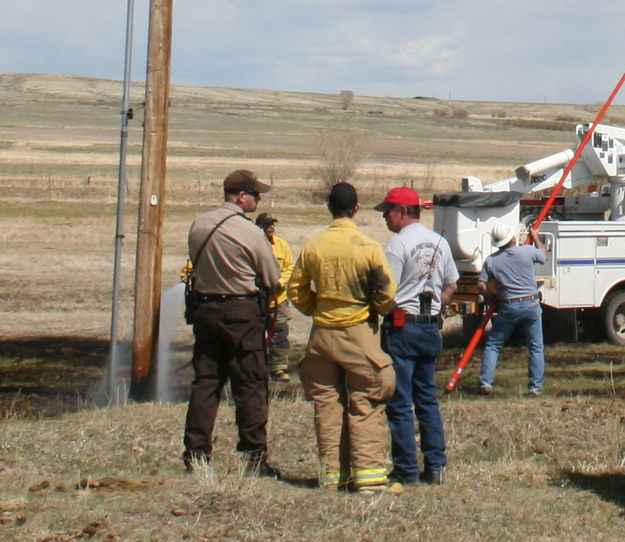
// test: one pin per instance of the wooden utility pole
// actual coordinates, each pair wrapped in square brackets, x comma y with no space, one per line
[152,202]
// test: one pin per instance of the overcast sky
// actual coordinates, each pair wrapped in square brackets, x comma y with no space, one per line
[555,51]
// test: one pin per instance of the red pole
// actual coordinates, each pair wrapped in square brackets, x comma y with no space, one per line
[468,352]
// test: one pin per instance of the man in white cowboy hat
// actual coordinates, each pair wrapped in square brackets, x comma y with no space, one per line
[512,268]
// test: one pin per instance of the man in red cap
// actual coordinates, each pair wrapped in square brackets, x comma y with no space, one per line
[232,261]
[426,276]
[279,304]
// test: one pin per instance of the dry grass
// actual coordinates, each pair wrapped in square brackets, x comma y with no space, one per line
[519,468]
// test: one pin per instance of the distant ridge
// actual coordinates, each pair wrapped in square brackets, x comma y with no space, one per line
[25,87]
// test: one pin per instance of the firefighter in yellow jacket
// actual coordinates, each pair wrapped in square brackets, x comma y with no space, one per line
[279,329]
[344,281]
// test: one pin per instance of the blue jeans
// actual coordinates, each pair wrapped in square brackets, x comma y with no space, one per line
[414,348]
[528,315]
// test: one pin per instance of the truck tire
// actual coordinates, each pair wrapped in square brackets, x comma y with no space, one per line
[614,317]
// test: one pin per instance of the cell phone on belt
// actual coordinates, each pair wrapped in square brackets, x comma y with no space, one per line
[399,318]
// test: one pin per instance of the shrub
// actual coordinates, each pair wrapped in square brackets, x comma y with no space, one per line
[340,151]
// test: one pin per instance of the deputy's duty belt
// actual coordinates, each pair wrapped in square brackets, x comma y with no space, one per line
[207,298]
[517,299]
[423,318]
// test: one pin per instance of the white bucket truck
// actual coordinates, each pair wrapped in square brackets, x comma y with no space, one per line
[582,283]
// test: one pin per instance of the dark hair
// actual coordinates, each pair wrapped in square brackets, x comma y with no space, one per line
[342,199]
[413,211]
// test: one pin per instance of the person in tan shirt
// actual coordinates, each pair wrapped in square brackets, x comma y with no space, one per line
[230,268]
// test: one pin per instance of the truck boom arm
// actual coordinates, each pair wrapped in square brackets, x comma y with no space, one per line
[601,161]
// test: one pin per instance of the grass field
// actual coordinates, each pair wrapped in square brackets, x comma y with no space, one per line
[549,468]
[520,468]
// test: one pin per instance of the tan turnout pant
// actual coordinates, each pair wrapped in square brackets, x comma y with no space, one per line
[350,379]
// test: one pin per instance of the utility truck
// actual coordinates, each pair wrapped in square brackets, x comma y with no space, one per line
[582,283]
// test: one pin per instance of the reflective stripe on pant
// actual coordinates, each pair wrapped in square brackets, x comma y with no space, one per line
[369,477]
[349,378]
[334,479]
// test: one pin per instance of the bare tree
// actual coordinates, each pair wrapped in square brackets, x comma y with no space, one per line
[347,99]
[340,151]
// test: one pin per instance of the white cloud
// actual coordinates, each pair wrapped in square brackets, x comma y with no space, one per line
[434,54]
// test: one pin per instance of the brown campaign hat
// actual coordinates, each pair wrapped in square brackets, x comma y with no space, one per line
[243,179]
[264,219]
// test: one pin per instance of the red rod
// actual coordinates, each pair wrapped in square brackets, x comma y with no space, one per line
[468,352]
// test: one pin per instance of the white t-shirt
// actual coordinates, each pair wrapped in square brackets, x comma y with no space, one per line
[422,262]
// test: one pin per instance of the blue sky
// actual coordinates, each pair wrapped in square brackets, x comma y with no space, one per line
[555,51]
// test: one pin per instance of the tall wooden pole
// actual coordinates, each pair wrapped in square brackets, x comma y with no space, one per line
[152,202]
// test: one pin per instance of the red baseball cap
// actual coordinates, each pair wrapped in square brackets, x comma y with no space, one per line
[398,196]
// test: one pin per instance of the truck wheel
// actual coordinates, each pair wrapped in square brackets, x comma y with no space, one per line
[614,317]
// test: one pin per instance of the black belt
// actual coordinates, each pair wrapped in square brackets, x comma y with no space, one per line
[424,318]
[517,299]
[207,298]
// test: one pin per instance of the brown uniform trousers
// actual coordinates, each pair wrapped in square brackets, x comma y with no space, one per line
[349,378]
[229,339]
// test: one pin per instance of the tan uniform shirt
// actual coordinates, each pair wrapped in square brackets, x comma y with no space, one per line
[234,256]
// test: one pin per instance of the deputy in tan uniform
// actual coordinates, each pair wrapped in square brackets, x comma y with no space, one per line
[230,269]
[343,280]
